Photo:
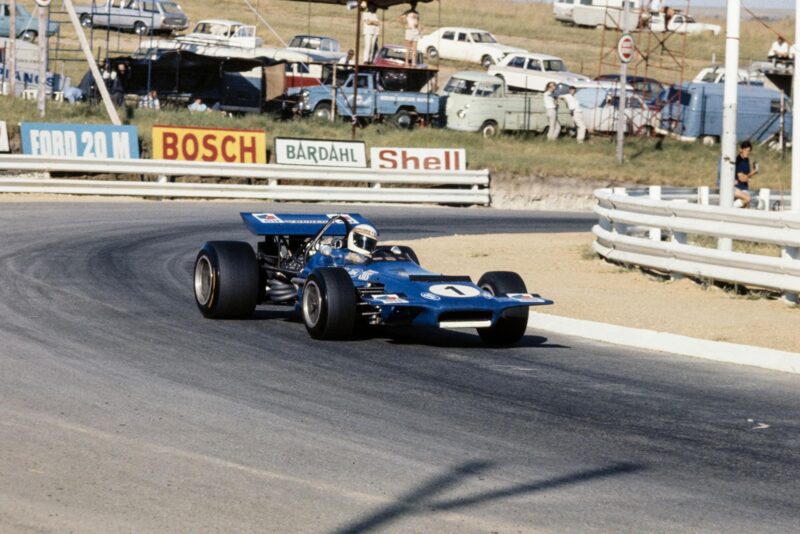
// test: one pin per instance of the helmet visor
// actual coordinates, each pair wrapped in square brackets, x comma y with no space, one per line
[365,242]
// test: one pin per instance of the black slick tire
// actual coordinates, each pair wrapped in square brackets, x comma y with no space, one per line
[226,280]
[510,328]
[328,306]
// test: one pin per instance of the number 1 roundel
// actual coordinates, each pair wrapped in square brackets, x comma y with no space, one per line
[458,291]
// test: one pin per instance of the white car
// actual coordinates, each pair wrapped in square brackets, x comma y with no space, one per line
[465,44]
[600,106]
[222,33]
[681,23]
[532,72]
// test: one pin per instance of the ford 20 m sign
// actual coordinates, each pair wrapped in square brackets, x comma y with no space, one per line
[80,140]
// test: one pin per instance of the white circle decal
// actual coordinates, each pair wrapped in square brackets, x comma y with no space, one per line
[457,291]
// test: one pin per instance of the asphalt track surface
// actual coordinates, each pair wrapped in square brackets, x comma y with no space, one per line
[122,409]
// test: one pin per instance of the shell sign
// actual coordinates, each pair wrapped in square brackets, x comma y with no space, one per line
[222,145]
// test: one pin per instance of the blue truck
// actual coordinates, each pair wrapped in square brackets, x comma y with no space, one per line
[694,110]
[27,26]
[374,102]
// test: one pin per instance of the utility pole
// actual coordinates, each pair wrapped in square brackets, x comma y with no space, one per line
[11,52]
[623,93]
[354,107]
[41,6]
[728,163]
[795,198]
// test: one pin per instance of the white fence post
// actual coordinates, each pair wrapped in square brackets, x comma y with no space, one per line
[618,227]
[791,253]
[704,195]
[655,194]
[763,198]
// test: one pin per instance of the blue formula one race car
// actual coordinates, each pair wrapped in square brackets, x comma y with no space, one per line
[332,270]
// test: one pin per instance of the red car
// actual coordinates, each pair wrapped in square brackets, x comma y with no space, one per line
[394,56]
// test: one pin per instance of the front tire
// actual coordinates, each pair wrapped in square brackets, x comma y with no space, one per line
[226,280]
[323,111]
[29,35]
[490,129]
[432,52]
[86,20]
[403,119]
[510,328]
[139,28]
[329,304]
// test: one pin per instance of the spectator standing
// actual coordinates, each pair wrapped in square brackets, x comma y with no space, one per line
[577,114]
[779,51]
[552,112]
[371,29]
[118,82]
[744,173]
[150,101]
[410,20]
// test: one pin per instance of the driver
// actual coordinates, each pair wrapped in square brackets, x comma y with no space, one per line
[361,242]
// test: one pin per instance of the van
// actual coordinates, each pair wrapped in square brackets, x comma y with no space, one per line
[694,110]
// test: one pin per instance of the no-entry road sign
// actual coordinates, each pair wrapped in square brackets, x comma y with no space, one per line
[626,48]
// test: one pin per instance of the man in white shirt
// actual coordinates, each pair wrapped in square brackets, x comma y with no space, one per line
[577,114]
[552,112]
[779,51]
[371,29]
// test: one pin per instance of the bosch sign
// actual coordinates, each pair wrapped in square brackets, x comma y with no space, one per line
[188,143]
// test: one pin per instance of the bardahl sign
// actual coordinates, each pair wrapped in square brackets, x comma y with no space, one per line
[229,145]
[320,152]
[419,159]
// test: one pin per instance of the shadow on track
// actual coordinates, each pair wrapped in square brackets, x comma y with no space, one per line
[422,500]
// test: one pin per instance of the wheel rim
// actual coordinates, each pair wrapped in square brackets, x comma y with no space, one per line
[28,36]
[432,53]
[204,281]
[86,21]
[323,114]
[312,304]
[403,121]
[140,29]
[489,131]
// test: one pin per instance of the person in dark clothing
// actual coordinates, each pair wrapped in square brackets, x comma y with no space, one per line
[117,88]
[744,172]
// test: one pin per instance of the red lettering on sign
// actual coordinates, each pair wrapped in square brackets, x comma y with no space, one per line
[227,156]
[244,149]
[387,159]
[409,159]
[432,163]
[170,145]
[190,154]
[210,152]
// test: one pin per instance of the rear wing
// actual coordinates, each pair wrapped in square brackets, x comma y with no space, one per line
[299,224]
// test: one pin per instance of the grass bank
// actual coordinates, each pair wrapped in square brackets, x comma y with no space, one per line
[648,161]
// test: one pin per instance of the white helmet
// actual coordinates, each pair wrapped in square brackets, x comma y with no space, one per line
[362,239]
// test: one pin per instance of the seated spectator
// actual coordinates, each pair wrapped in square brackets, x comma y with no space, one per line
[198,106]
[150,101]
[72,94]
[779,52]
[744,172]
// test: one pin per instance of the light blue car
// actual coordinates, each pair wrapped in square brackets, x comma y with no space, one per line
[27,25]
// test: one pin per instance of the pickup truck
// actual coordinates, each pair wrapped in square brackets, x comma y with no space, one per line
[479,102]
[403,108]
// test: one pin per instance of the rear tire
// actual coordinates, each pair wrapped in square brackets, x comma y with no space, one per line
[510,328]
[226,280]
[487,61]
[403,119]
[140,28]
[329,304]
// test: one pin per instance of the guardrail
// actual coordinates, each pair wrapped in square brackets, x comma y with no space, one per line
[443,187]
[653,233]
[765,199]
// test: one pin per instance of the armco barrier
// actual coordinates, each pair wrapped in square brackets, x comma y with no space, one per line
[464,187]
[631,231]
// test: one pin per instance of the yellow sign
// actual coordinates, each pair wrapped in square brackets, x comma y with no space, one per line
[230,145]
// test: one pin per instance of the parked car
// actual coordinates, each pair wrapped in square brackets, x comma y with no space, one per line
[402,108]
[600,105]
[532,72]
[682,23]
[27,27]
[141,16]
[694,110]
[597,13]
[647,88]
[325,49]
[395,56]
[716,74]
[465,44]
[479,102]
[222,32]
[562,10]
